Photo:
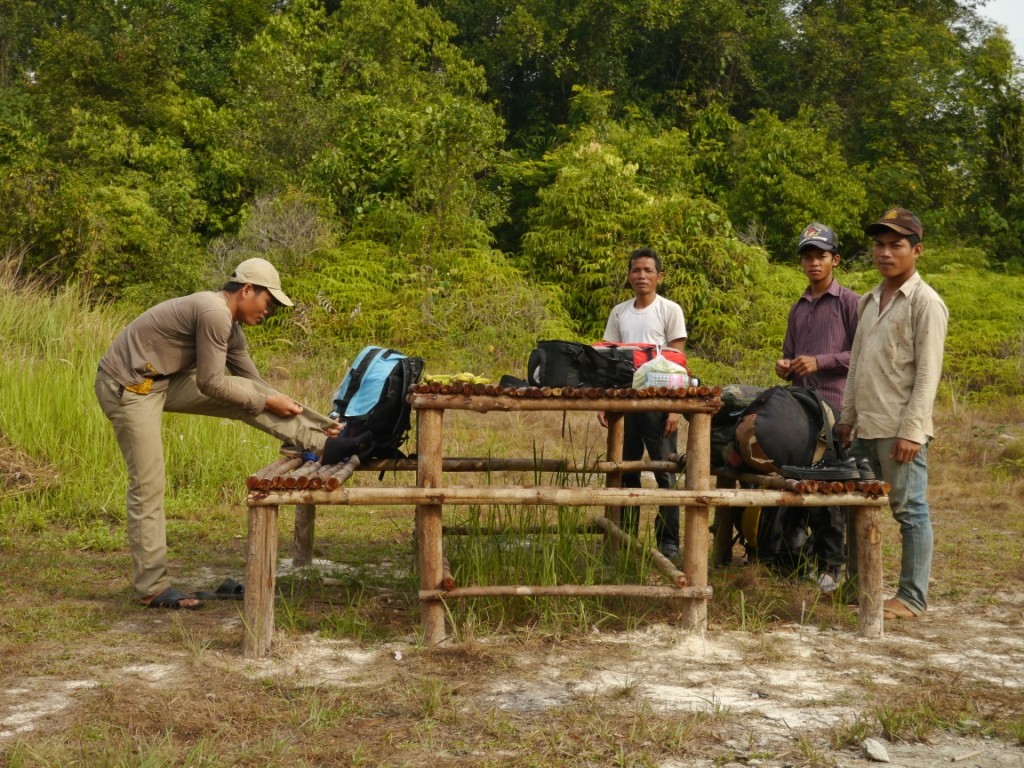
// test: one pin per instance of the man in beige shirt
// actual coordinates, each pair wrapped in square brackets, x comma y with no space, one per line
[189,355]
[895,366]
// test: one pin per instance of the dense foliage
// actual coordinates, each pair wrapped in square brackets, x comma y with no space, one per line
[478,170]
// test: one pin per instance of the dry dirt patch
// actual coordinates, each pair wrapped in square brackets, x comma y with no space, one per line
[771,691]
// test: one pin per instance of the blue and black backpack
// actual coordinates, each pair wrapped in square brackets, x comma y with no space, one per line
[371,402]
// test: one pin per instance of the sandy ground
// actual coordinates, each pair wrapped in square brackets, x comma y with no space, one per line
[776,686]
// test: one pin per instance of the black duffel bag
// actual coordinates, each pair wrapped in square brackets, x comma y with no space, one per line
[572,364]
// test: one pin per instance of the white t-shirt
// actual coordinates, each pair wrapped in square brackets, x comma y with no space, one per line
[659,323]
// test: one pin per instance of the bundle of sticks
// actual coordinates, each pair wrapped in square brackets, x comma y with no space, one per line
[593,393]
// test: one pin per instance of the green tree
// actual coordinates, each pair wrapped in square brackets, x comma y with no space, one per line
[372,110]
[787,174]
[608,195]
[671,56]
[94,134]
[917,88]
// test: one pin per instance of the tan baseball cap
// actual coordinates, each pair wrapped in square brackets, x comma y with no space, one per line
[261,273]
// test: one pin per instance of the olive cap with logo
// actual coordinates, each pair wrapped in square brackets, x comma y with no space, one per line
[898,220]
[262,274]
[819,236]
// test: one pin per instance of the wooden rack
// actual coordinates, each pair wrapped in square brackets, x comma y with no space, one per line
[308,485]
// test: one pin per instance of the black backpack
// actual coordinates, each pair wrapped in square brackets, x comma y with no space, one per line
[735,400]
[785,426]
[762,430]
[371,401]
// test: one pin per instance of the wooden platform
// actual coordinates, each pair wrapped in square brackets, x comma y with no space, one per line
[308,485]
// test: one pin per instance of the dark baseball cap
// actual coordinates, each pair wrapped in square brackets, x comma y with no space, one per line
[898,220]
[819,236]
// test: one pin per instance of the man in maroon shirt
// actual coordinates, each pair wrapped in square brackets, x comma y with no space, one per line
[816,355]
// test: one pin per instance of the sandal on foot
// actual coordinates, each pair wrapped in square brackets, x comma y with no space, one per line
[895,609]
[171,599]
[229,590]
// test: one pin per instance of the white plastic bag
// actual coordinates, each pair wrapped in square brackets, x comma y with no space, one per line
[661,372]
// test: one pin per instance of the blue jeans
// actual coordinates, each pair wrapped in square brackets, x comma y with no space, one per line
[909,504]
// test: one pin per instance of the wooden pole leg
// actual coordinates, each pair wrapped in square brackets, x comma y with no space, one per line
[260,574]
[696,539]
[868,524]
[615,438]
[429,550]
[431,564]
[305,526]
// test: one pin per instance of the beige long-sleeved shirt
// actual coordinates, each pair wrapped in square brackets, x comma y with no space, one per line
[896,363]
[194,331]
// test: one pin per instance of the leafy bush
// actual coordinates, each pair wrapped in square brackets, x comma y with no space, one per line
[985,342]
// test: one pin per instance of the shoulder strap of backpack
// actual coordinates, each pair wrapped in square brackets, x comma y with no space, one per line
[356,374]
[831,440]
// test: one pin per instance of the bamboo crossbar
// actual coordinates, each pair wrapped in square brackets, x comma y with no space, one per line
[672,575]
[534,392]
[569,590]
[557,496]
[872,488]
[455,464]
[526,530]
[287,473]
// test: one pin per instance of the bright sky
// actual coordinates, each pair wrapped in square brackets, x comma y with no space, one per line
[1009,13]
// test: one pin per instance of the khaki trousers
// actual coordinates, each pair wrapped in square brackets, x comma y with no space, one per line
[137,422]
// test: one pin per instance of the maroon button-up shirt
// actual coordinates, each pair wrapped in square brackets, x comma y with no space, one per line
[824,328]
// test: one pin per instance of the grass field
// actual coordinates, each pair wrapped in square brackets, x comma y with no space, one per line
[89,678]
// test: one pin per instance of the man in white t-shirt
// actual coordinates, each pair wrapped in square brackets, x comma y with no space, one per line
[651,319]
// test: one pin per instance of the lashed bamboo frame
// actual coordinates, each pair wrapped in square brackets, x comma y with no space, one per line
[286,482]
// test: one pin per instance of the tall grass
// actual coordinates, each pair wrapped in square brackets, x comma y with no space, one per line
[51,343]
[538,545]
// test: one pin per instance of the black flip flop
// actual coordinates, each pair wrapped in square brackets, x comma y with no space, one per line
[170,599]
[229,590]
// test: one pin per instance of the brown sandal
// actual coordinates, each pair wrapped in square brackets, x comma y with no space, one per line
[895,609]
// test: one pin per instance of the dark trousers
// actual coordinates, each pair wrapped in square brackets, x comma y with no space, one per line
[782,538]
[647,431]
[828,526]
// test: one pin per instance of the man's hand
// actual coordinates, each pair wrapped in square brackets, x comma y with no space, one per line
[782,369]
[905,451]
[671,424]
[283,406]
[845,434]
[602,419]
[804,365]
